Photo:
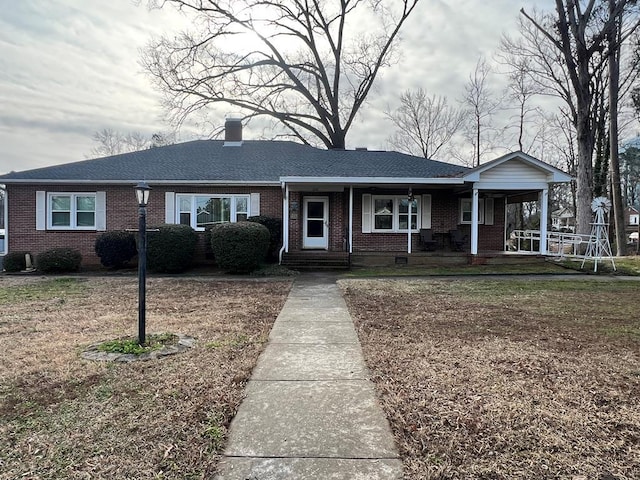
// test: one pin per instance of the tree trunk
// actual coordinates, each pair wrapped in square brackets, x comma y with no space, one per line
[614,160]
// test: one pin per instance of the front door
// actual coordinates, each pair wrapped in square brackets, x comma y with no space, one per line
[315,223]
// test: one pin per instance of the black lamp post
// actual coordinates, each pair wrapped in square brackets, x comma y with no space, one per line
[142,194]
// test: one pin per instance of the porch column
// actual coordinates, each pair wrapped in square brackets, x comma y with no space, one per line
[544,208]
[285,216]
[351,219]
[474,222]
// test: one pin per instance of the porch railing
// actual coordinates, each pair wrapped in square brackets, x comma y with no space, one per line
[559,244]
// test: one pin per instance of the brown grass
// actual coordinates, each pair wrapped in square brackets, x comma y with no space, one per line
[506,379]
[64,417]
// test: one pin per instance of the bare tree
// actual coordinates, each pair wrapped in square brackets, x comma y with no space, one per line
[482,105]
[308,64]
[425,123]
[574,39]
[110,142]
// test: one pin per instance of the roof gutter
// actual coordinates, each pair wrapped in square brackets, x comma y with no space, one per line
[371,180]
[222,183]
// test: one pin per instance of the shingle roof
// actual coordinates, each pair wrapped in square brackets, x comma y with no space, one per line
[253,161]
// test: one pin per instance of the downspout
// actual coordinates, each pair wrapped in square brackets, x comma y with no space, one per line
[285,222]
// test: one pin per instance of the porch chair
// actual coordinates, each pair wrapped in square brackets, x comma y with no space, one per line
[426,240]
[458,240]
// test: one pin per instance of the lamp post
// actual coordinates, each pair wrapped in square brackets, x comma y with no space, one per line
[142,195]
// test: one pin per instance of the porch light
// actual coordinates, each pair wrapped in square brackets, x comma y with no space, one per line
[142,195]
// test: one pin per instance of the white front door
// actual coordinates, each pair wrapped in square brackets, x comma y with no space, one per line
[315,229]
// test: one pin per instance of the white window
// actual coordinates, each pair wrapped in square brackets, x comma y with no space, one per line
[465,210]
[633,219]
[75,211]
[391,214]
[201,211]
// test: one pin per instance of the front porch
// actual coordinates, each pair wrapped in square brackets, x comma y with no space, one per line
[342,260]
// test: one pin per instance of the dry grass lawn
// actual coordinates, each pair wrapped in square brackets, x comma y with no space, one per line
[62,417]
[513,379]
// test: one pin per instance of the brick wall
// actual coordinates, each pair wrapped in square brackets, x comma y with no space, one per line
[122,213]
[338,211]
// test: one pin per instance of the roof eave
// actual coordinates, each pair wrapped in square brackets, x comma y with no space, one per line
[370,180]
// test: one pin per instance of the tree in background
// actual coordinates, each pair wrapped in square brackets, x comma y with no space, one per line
[569,52]
[109,142]
[308,65]
[481,106]
[630,175]
[425,123]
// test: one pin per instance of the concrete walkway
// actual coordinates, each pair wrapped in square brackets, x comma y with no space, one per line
[310,410]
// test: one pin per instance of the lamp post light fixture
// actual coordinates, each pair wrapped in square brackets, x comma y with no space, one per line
[142,195]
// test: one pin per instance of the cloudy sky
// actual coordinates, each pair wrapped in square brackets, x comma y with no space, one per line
[70,68]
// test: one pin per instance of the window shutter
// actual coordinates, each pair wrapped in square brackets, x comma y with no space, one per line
[41,210]
[169,207]
[488,211]
[366,213]
[426,211]
[101,211]
[255,205]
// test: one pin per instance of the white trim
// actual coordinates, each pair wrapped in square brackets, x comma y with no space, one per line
[351,219]
[395,221]
[544,211]
[170,207]
[481,211]
[41,210]
[474,221]
[125,182]
[556,175]
[367,217]
[426,211]
[73,217]
[321,243]
[254,204]
[511,185]
[101,211]
[6,221]
[193,213]
[374,180]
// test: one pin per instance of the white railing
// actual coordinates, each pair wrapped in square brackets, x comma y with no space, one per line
[558,244]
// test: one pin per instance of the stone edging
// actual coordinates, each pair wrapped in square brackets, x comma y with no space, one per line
[184,343]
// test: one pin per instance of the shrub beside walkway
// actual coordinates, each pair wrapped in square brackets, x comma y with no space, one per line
[310,409]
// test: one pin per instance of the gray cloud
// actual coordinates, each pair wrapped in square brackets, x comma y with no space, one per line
[69,68]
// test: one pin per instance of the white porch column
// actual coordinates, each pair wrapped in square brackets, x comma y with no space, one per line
[286,219]
[474,221]
[544,208]
[409,225]
[351,219]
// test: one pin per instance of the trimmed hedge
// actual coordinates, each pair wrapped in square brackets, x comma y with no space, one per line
[116,248]
[14,262]
[239,247]
[275,231]
[171,248]
[59,260]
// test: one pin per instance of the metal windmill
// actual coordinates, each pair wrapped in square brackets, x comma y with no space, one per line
[599,246]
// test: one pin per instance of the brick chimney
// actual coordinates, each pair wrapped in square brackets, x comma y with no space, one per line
[233,132]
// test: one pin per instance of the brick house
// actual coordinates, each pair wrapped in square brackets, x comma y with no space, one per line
[340,202]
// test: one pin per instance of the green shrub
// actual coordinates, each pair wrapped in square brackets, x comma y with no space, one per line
[116,248]
[239,247]
[274,225]
[59,260]
[14,261]
[171,248]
